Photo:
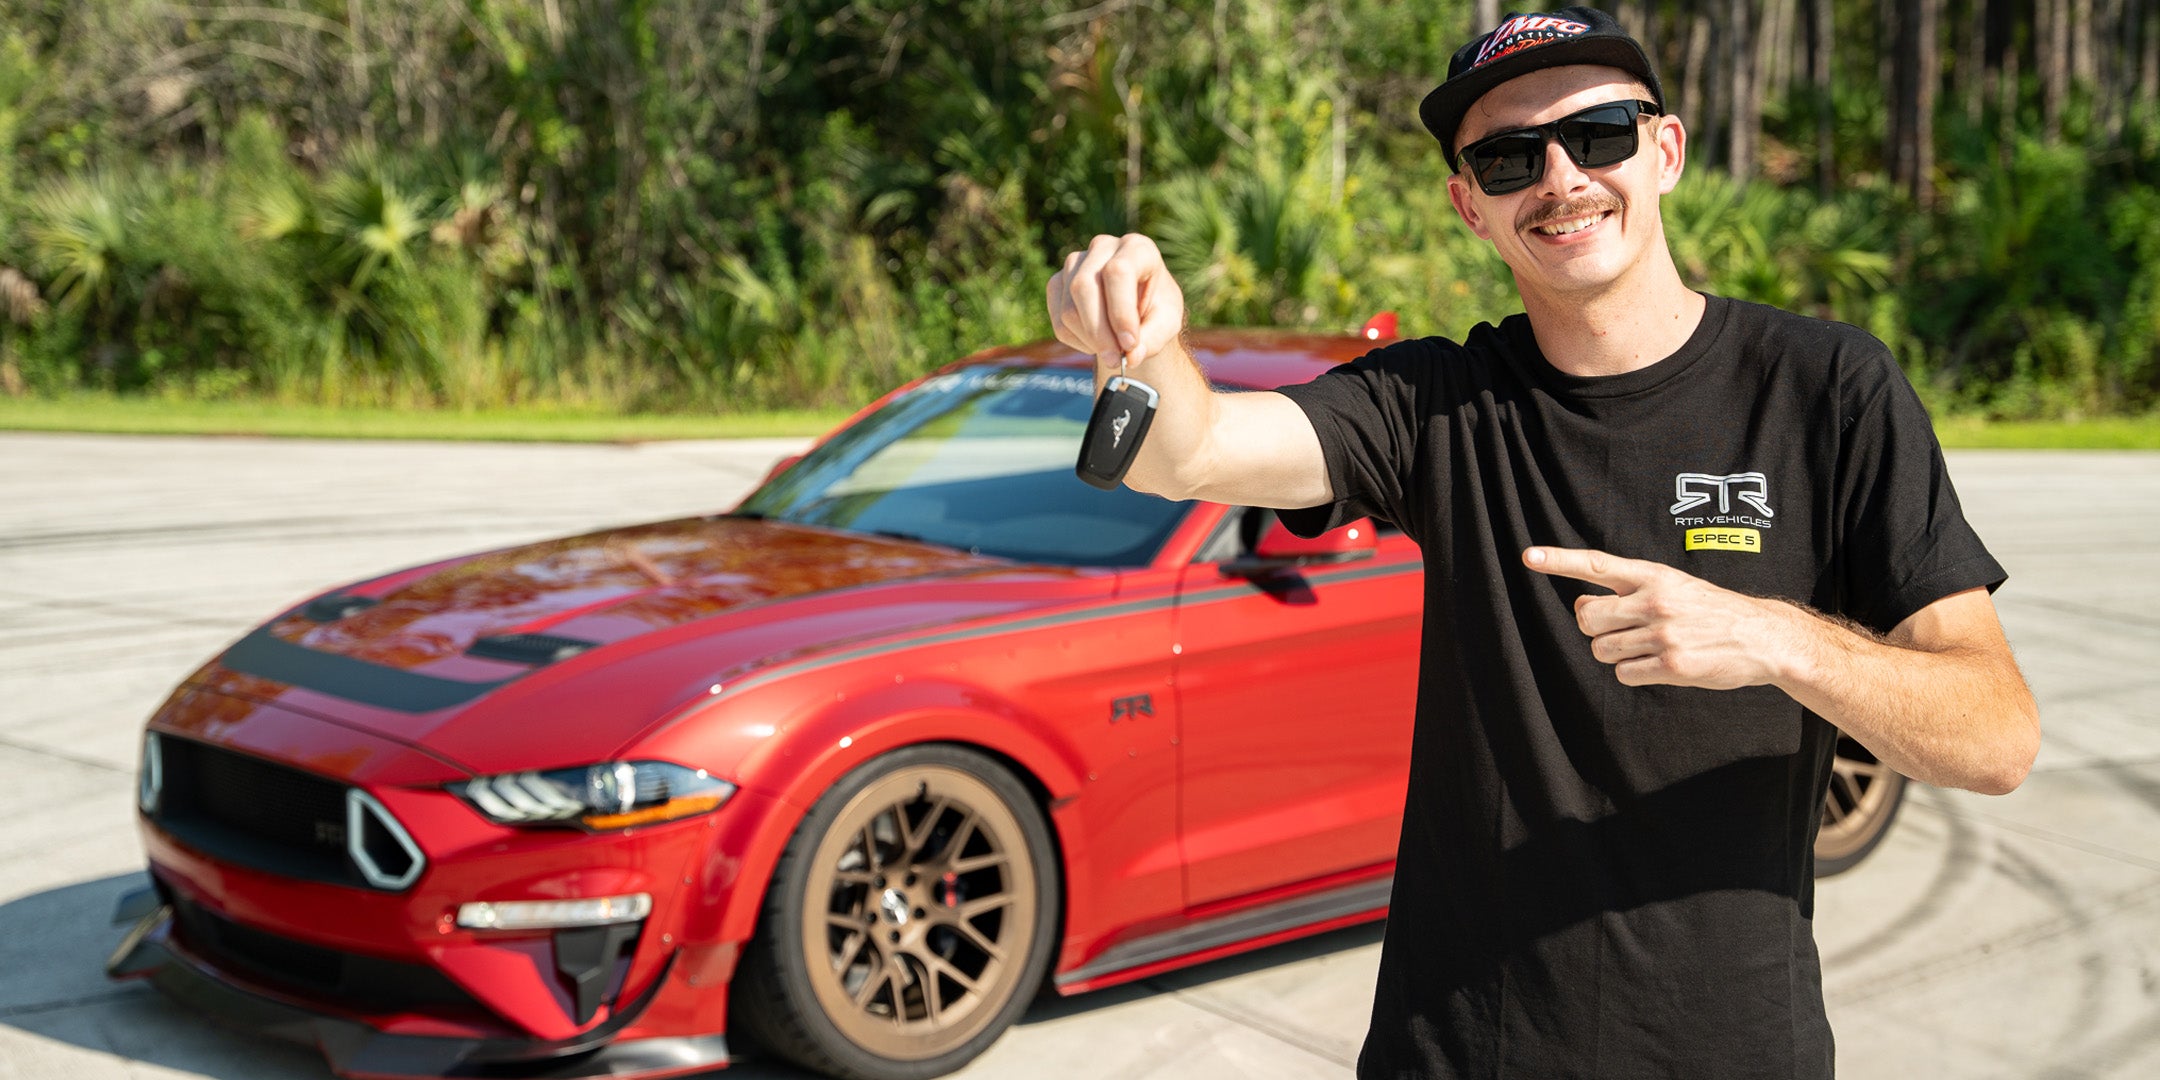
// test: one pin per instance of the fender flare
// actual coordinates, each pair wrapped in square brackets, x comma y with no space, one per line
[807,756]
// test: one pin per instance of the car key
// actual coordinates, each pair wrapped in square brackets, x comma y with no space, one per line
[1114,430]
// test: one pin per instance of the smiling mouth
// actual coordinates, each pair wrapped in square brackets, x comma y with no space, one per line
[1570,226]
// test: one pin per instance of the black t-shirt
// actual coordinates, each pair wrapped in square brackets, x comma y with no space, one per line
[1597,880]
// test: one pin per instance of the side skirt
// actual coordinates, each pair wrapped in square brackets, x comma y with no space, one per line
[1330,907]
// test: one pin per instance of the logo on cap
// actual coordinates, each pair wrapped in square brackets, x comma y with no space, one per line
[1525,31]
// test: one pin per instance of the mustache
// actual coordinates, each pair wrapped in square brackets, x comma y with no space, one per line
[1572,208]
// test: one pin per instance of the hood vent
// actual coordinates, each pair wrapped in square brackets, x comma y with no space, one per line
[528,648]
[336,606]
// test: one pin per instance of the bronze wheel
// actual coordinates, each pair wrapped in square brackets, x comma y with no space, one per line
[1864,797]
[909,922]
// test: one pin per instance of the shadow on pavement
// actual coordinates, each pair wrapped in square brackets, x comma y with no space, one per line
[53,947]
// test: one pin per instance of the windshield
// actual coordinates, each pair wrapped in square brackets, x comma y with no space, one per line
[979,459]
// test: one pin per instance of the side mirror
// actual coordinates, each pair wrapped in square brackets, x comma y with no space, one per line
[1280,550]
[1380,326]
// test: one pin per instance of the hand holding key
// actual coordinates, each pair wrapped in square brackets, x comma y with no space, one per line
[1116,300]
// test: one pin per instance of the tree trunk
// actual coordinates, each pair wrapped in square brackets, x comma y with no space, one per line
[1696,57]
[1790,50]
[1648,31]
[1628,13]
[761,23]
[2006,138]
[1819,36]
[2131,40]
[2082,30]
[1890,68]
[1129,104]
[1717,88]
[2051,53]
[1971,85]
[2107,53]
[1916,67]
[1927,72]
[1770,35]
[1488,17]
[2149,64]
[356,90]
[1744,96]
[1999,51]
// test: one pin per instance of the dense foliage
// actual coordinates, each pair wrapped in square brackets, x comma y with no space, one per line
[680,204]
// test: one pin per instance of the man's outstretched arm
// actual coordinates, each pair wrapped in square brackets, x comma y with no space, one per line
[1117,299]
[1939,698]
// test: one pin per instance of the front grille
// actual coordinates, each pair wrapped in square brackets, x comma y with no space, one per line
[276,818]
[280,805]
[362,983]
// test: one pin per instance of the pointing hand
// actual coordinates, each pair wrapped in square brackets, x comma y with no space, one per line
[1665,626]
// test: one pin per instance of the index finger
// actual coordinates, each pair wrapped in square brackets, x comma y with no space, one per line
[1162,316]
[1058,293]
[1622,576]
[1122,279]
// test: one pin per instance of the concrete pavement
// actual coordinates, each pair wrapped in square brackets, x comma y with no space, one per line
[2010,937]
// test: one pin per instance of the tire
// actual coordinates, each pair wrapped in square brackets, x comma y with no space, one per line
[1863,800]
[909,921]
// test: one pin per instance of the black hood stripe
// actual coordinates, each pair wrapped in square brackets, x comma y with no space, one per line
[268,656]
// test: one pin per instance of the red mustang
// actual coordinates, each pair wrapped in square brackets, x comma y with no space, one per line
[846,773]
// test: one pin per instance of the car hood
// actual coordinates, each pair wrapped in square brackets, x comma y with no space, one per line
[559,652]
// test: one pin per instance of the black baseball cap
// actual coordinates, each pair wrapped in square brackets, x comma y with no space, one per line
[1525,43]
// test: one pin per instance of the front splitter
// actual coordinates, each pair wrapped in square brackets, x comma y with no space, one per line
[353,1049]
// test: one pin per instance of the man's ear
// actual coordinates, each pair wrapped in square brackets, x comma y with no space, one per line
[1672,153]
[1458,193]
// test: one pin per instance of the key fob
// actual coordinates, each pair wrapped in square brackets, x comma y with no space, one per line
[1114,430]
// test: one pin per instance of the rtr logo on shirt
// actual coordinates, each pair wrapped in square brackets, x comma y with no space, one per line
[1726,529]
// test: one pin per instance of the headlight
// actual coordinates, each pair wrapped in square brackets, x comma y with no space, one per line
[614,795]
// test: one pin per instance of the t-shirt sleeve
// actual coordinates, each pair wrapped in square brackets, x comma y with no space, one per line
[1904,540]
[1365,415]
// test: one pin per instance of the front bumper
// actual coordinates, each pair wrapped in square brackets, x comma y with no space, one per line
[355,1049]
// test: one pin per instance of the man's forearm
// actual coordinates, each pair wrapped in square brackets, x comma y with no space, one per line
[1170,461]
[1252,449]
[1957,716]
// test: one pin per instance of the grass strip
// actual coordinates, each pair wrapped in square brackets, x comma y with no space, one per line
[2106,433]
[110,414]
[151,416]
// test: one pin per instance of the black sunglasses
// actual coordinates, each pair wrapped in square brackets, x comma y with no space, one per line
[1595,137]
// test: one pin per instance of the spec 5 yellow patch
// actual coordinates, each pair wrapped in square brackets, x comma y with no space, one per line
[1724,539]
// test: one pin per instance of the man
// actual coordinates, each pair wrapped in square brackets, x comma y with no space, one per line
[1670,541]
